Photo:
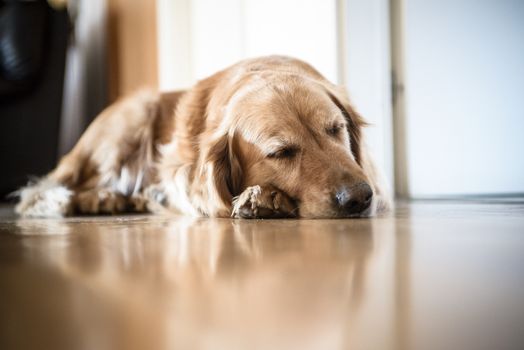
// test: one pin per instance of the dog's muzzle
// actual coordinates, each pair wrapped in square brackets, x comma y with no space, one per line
[353,200]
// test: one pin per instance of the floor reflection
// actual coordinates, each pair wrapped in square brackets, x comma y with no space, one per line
[434,275]
[402,303]
[146,282]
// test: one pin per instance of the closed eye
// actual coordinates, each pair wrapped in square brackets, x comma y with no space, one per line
[284,153]
[335,130]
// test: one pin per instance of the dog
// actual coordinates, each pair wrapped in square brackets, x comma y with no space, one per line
[268,137]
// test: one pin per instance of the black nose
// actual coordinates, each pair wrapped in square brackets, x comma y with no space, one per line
[354,199]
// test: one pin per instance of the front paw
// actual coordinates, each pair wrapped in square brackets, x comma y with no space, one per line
[44,198]
[263,202]
[99,201]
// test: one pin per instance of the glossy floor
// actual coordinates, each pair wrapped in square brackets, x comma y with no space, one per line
[433,275]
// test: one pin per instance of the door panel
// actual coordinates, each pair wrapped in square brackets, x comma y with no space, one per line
[464,96]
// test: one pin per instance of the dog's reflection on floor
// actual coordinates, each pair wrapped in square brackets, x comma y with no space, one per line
[150,282]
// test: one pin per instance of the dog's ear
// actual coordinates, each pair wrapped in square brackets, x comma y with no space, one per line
[354,121]
[221,176]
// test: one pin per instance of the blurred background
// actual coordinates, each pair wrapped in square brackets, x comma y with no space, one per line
[441,81]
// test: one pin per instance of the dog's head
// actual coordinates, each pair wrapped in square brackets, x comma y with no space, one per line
[297,134]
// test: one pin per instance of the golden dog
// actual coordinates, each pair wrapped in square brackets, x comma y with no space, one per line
[267,137]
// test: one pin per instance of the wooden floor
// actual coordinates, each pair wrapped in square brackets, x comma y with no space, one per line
[433,275]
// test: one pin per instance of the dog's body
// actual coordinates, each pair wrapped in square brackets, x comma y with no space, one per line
[267,137]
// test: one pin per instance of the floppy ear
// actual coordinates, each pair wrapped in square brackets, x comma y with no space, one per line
[354,121]
[220,177]
[382,201]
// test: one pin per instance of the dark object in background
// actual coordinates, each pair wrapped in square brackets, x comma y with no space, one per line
[22,28]
[33,45]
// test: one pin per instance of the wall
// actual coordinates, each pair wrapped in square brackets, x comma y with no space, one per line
[464,81]
[367,74]
[133,60]
[199,37]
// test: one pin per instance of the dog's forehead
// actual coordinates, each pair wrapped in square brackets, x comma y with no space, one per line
[279,109]
[273,131]
[288,101]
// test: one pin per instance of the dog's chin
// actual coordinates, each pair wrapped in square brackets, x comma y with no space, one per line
[370,211]
[366,213]
[362,215]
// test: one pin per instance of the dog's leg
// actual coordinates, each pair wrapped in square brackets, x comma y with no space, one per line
[99,201]
[44,198]
[152,199]
[107,168]
[108,201]
[263,202]
[52,195]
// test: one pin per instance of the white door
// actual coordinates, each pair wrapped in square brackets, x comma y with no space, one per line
[463,63]
[199,37]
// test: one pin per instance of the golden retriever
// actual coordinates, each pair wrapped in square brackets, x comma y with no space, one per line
[265,138]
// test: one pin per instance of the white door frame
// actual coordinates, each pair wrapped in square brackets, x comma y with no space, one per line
[399,98]
[366,49]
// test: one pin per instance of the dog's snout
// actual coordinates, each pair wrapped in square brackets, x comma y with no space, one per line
[354,199]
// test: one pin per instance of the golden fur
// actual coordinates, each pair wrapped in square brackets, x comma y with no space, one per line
[266,137]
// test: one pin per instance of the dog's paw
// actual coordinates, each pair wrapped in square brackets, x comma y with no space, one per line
[152,199]
[99,201]
[263,202]
[44,198]
[156,194]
